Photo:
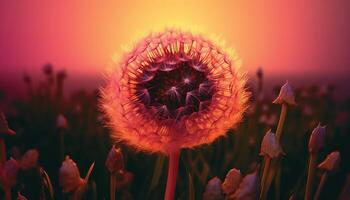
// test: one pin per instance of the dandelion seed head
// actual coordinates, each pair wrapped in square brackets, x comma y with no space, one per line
[174,90]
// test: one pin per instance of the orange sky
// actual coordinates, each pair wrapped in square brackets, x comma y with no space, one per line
[81,36]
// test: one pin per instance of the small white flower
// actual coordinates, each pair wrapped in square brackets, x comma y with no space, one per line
[248,188]
[270,146]
[232,180]
[317,139]
[331,163]
[62,121]
[213,190]
[286,95]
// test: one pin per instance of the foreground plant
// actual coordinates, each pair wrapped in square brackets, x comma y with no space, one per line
[231,182]
[174,90]
[115,165]
[35,183]
[271,149]
[5,131]
[247,189]
[329,165]
[316,142]
[8,176]
[70,180]
[213,190]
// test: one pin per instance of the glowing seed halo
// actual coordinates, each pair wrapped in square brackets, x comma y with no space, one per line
[137,123]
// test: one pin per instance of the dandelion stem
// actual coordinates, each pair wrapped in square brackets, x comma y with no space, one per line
[320,186]
[2,151]
[268,174]
[2,162]
[310,176]
[281,121]
[112,186]
[7,193]
[62,145]
[172,175]
[267,161]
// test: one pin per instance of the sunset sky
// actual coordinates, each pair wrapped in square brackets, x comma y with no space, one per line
[285,37]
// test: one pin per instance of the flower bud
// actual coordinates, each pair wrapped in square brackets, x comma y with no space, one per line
[213,190]
[9,173]
[124,179]
[30,159]
[232,180]
[248,188]
[331,163]
[4,128]
[270,146]
[115,162]
[286,95]
[62,121]
[317,139]
[69,176]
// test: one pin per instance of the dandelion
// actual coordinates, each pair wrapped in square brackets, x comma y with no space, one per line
[329,165]
[174,90]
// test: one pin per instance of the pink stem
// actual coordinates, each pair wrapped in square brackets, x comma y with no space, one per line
[7,190]
[7,193]
[172,175]
[2,151]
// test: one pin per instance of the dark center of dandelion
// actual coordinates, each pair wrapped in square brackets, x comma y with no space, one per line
[173,90]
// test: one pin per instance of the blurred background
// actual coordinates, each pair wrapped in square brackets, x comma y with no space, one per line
[53,55]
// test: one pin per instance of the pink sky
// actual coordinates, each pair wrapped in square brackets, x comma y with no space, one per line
[285,37]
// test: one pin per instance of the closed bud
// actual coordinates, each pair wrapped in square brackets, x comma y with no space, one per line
[69,176]
[30,159]
[331,163]
[115,162]
[9,173]
[247,189]
[232,180]
[317,139]
[62,121]
[213,190]
[270,146]
[286,95]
